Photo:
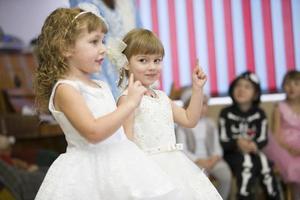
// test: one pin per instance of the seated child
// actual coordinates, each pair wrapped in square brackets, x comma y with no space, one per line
[284,143]
[6,155]
[243,133]
[21,178]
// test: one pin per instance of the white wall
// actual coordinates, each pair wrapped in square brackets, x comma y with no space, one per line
[24,18]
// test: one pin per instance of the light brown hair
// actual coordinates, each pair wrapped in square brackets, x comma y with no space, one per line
[140,41]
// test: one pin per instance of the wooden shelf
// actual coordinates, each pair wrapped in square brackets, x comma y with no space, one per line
[48,130]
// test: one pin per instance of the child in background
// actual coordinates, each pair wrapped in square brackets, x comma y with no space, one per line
[284,144]
[21,177]
[151,125]
[201,144]
[6,155]
[100,162]
[243,133]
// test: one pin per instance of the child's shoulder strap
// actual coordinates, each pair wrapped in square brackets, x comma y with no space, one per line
[68,82]
[101,83]
[123,93]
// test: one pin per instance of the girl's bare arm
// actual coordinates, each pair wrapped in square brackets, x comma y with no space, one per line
[128,123]
[69,101]
[189,117]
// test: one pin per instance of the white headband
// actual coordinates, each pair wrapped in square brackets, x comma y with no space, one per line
[81,13]
[90,8]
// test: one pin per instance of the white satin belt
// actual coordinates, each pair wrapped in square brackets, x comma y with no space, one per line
[165,148]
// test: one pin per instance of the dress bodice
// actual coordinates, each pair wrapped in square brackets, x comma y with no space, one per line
[153,124]
[289,119]
[99,101]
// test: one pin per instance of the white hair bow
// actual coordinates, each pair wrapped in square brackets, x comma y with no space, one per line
[115,47]
[92,8]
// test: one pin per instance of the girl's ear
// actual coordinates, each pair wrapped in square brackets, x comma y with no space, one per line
[68,52]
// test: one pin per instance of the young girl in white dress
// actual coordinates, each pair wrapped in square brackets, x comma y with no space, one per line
[151,125]
[100,163]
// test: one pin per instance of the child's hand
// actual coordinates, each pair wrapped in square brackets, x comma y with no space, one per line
[215,158]
[205,163]
[199,77]
[253,146]
[135,91]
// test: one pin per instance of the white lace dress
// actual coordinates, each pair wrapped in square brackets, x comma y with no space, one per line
[154,134]
[114,169]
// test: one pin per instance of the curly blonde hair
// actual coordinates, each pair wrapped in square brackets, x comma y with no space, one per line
[58,36]
[140,41]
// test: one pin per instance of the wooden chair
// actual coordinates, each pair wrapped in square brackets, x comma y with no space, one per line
[16,91]
[16,71]
[289,192]
[286,187]
[19,126]
[15,99]
[32,136]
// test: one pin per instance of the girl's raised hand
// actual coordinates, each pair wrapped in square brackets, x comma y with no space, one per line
[199,77]
[135,91]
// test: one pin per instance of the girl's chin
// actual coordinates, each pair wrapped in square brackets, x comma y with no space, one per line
[98,70]
[149,83]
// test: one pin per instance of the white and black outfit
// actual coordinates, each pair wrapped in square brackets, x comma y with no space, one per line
[252,124]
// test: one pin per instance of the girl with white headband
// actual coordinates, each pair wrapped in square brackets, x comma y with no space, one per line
[100,163]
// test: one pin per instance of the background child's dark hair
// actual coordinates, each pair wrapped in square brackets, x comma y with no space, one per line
[250,76]
[289,76]
[140,41]
[58,37]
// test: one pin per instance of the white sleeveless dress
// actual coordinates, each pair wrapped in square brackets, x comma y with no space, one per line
[114,169]
[154,134]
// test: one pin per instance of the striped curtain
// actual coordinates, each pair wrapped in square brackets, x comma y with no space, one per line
[228,36]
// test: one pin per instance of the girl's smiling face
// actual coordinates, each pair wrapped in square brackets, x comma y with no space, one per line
[145,68]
